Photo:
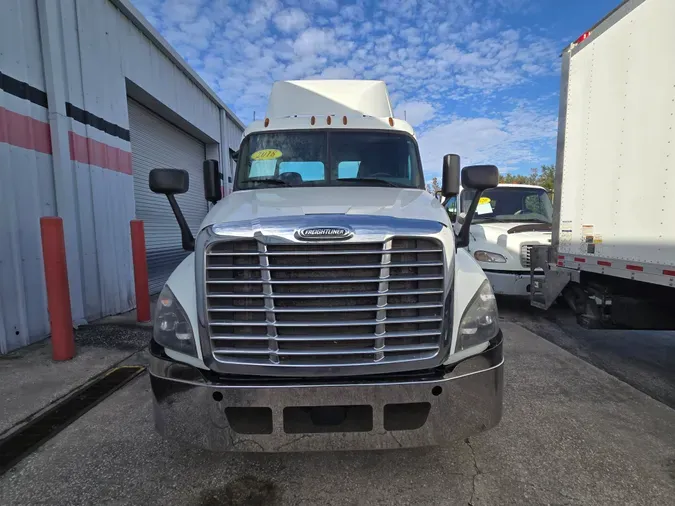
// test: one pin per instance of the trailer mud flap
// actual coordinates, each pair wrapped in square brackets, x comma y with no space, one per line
[545,290]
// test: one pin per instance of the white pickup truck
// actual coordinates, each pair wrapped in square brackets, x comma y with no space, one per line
[509,220]
[328,303]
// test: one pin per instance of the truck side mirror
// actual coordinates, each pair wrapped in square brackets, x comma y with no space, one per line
[450,176]
[212,185]
[171,182]
[479,178]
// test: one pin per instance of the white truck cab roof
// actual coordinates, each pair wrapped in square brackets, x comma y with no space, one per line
[322,104]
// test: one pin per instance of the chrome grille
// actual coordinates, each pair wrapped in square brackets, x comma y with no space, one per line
[324,304]
[525,255]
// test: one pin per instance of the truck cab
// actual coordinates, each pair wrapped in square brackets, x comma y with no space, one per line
[509,220]
[328,302]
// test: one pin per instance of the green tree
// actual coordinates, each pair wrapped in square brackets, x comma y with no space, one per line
[434,186]
[547,177]
[541,177]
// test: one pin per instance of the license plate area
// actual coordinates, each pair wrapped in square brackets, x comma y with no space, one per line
[322,419]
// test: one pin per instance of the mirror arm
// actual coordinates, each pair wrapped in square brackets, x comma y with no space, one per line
[186,236]
[462,239]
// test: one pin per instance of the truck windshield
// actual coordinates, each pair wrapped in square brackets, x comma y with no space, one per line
[328,158]
[509,204]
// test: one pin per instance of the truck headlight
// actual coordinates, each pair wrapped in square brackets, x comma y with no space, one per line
[479,323]
[172,328]
[488,256]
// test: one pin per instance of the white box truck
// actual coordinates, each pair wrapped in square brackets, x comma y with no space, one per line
[328,304]
[509,220]
[613,244]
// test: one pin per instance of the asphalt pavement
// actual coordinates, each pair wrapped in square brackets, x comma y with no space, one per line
[571,434]
[645,359]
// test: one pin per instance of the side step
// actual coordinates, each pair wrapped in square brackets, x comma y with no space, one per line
[544,292]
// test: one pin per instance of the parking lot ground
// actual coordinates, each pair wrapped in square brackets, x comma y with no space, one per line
[571,434]
[644,359]
[30,381]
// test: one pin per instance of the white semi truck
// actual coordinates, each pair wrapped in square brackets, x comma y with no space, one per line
[612,255]
[328,304]
[509,220]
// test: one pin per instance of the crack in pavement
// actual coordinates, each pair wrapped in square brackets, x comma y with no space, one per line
[304,436]
[239,441]
[395,439]
[476,473]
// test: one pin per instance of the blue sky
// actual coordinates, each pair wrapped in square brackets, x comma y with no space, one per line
[475,77]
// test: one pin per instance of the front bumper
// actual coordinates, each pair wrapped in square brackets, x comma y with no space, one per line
[421,409]
[510,283]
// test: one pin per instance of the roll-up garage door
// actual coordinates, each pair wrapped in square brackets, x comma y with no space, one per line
[157,143]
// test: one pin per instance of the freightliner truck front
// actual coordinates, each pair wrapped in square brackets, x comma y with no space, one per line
[328,303]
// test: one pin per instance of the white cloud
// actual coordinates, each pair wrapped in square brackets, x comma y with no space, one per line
[337,73]
[330,5]
[509,140]
[415,112]
[353,12]
[314,41]
[291,20]
[180,10]
[305,66]
[262,10]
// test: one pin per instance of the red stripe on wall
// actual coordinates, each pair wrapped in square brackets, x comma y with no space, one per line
[89,151]
[24,132]
[30,133]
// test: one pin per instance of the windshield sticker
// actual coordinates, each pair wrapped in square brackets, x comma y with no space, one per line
[484,200]
[483,209]
[266,154]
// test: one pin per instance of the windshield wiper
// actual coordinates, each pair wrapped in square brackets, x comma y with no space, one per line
[528,220]
[279,182]
[486,220]
[382,182]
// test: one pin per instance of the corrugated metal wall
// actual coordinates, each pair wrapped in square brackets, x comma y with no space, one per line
[156,143]
[26,182]
[76,162]
[104,187]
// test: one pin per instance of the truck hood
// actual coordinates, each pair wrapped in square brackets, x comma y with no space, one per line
[347,200]
[513,231]
[509,236]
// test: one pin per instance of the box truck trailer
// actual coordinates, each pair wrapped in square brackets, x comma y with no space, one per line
[612,254]
[328,302]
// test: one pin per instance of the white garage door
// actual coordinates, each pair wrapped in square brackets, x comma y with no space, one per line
[155,143]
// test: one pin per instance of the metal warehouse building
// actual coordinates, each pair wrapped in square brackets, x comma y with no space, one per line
[91,99]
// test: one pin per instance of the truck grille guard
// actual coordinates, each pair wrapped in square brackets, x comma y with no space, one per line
[272,302]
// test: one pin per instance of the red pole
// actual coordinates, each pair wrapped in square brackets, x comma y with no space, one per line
[58,294]
[140,271]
